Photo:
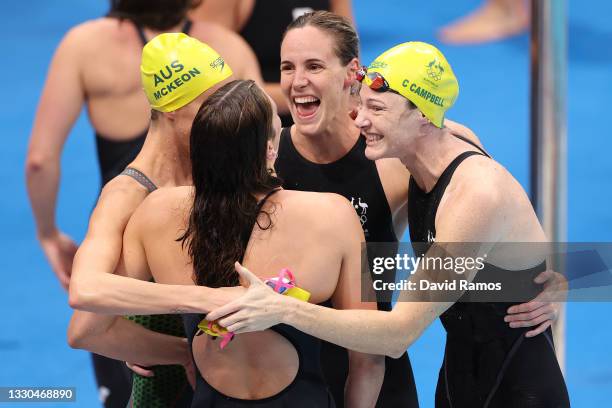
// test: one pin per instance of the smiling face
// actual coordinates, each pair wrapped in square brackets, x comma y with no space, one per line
[313,79]
[388,122]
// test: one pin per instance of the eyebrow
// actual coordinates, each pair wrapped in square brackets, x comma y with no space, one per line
[309,60]
[372,99]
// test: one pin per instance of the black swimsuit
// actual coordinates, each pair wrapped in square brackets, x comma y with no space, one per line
[356,178]
[486,363]
[307,390]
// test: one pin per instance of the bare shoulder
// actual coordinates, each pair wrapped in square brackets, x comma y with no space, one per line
[95,31]
[321,211]
[483,173]
[462,130]
[117,202]
[166,206]
[215,34]
[487,182]
[122,191]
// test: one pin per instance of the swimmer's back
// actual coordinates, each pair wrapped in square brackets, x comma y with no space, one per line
[310,234]
[107,55]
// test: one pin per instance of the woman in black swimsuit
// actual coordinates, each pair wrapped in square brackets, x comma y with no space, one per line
[459,197]
[236,210]
[97,66]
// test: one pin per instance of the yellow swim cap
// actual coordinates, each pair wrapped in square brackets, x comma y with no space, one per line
[176,69]
[420,73]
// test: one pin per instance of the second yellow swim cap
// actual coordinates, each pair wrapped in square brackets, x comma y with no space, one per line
[176,69]
[420,73]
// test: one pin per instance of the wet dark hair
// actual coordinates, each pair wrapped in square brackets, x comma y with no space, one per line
[341,29]
[229,141]
[156,14]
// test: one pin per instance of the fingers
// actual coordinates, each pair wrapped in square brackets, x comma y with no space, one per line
[540,329]
[232,319]
[223,311]
[140,370]
[527,307]
[545,308]
[531,322]
[544,276]
[240,327]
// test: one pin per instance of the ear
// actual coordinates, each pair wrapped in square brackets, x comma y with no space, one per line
[351,69]
[271,153]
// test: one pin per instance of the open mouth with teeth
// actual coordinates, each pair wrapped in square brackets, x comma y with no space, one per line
[306,106]
[372,139]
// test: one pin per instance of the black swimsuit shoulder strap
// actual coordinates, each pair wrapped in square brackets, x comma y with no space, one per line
[468,141]
[185,29]
[447,174]
[261,202]
[140,177]
[141,34]
[246,234]
[187,26]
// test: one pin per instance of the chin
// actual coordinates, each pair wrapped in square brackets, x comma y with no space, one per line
[374,153]
[308,129]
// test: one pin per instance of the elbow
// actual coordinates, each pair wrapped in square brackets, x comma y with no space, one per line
[87,331]
[399,347]
[75,298]
[80,297]
[77,335]
[76,340]
[402,333]
[397,352]
[36,162]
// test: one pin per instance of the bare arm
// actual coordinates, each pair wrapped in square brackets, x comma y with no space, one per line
[541,312]
[367,331]
[59,106]
[114,336]
[126,340]
[100,251]
[100,255]
[96,288]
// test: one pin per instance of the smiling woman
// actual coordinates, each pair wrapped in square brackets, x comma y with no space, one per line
[323,152]
[311,80]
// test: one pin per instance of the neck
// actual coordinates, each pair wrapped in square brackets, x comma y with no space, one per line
[429,154]
[163,158]
[329,145]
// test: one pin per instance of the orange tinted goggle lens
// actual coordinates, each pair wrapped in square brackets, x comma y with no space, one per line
[378,82]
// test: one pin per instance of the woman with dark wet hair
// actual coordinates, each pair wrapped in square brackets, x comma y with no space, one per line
[97,66]
[237,210]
